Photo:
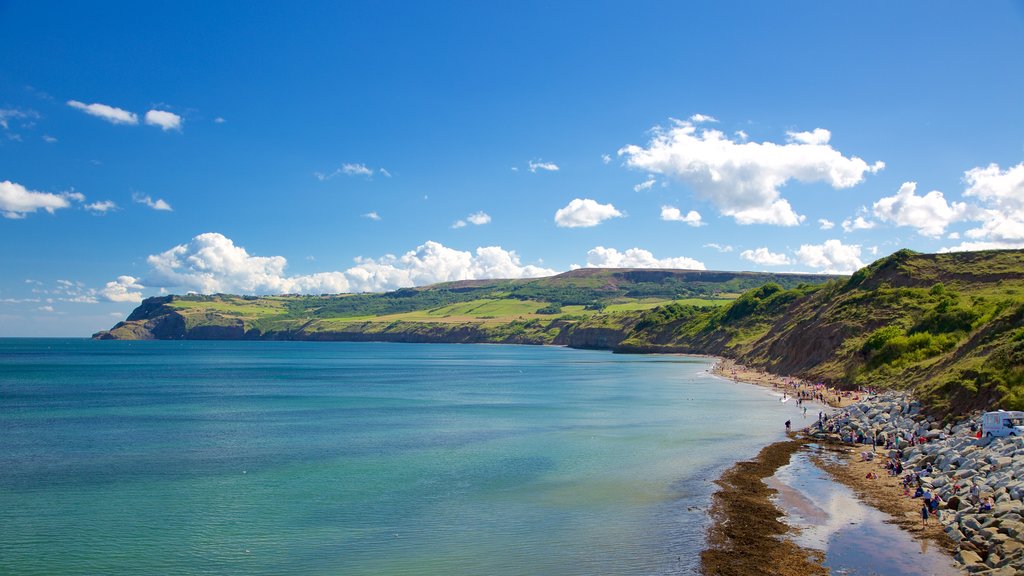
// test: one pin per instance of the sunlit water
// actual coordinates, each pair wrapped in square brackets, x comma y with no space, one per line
[357,458]
[858,540]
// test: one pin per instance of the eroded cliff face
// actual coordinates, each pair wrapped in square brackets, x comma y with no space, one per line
[165,326]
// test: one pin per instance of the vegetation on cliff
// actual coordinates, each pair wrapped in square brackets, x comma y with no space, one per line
[948,326]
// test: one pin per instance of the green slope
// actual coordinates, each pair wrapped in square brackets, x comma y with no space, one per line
[538,311]
[948,326]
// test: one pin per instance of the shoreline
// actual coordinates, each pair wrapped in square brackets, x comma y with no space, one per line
[748,532]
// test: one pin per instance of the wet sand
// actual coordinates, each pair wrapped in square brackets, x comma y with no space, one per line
[856,538]
[782,514]
[745,537]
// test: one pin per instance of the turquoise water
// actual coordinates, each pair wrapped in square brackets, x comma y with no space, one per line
[361,458]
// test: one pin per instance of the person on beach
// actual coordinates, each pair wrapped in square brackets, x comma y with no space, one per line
[788,425]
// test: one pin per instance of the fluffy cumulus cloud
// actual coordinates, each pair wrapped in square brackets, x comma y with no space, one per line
[109,113]
[765,257]
[164,119]
[476,219]
[673,214]
[601,257]
[124,289]
[211,263]
[826,224]
[1002,213]
[158,204]
[16,201]
[858,223]
[584,213]
[832,257]
[741,178]
[930,214]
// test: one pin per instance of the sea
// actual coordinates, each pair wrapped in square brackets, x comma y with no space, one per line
[202,457]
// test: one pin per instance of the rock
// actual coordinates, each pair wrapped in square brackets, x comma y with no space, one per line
[967,558]
[1010,546]
[1012,529]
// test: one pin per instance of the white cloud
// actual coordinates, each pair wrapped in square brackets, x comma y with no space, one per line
[858,223]
[719,247]
[1003,190]
[157,204]
[219,120]
[645,185]
[6,114]
[16,201]
[1002,219]
[356,170]
[673,214]
[372,216]
[25,117]
[479,218]
[476,219]
[606,159]
[764,257]
[701,118]
[102,206]
[818,137]
[742,135]
[984,245]
[826,224]
[212,263]
[584,213]
[45,308]
[743,178]
[601,257]
[49,139]
[930,214]
[108,113]
[124,289]
[539,165]
[351,169]
[164,119]
[832,257]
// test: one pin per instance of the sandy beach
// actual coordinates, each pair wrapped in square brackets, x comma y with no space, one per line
[750,532]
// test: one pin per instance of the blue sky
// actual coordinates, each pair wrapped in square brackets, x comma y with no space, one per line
[364,146]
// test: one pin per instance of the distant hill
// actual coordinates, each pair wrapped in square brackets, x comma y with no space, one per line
[948,326]
[599,304]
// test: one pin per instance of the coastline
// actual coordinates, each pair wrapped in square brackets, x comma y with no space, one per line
[749,533]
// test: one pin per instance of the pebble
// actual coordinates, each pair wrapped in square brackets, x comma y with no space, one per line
[950,463]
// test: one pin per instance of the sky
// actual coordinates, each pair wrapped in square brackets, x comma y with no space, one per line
[326,147]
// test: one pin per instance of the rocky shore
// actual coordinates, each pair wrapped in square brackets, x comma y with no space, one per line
[947,460]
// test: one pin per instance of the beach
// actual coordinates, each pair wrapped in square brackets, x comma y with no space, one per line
[764,521]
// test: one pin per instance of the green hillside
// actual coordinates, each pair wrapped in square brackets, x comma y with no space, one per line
[582,307]
[949,326]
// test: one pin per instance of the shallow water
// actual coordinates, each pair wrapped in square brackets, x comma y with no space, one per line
[359,458]
[855,537]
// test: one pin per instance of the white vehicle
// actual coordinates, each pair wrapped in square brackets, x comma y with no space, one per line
[1002,423]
